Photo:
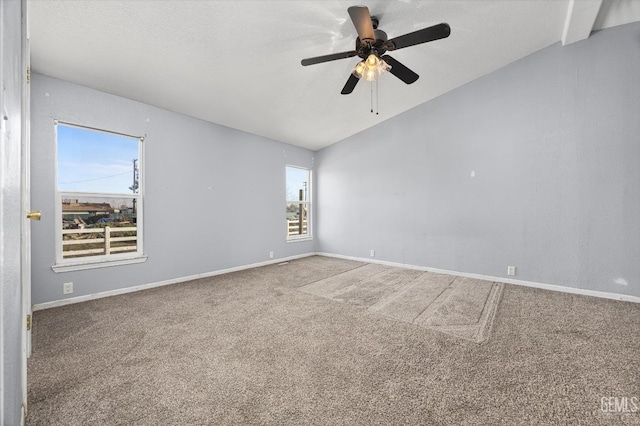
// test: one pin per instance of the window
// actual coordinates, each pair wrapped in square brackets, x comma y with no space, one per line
[298,203]
[99,198]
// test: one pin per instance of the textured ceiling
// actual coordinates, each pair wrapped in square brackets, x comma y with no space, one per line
[237,63]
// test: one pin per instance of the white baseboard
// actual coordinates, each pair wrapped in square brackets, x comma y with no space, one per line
[78,299]
[552,287]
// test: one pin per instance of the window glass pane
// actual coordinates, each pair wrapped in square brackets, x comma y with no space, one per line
[297,184]
[298,198]
[104,223]
[93,161]
[98,226]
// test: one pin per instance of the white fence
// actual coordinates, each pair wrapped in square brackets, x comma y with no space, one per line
[105,241]
[293,227]
[71,237]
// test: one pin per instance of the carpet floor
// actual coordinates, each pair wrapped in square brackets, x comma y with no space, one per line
[323,341]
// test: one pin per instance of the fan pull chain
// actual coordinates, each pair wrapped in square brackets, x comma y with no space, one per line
[371,97]
[377,98]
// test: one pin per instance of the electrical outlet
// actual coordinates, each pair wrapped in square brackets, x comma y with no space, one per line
[67,288]
[270,255]
[372,253]
[511,270]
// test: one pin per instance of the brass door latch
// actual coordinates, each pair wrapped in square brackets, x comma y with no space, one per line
[36,215]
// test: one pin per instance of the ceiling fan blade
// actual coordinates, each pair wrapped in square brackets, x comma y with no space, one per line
[400,71]
[350,85]
[327,58]
[435,32]
[362,21]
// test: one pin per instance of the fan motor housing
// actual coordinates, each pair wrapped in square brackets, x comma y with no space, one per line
[364,49]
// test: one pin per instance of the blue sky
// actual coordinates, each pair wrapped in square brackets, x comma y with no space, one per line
[92,161]
[295,181]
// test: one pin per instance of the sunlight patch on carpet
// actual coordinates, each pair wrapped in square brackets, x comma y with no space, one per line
[458,306]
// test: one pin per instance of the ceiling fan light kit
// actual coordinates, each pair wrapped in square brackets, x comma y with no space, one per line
[371,46]
[371,68]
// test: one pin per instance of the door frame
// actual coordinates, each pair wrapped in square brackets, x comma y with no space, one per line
[25,233]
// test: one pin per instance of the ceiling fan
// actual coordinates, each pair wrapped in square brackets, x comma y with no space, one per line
[371,46]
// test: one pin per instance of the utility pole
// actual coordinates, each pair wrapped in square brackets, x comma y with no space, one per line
[302,195]
[135,185]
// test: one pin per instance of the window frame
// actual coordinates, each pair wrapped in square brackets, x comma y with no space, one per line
[104,260]
[309,235]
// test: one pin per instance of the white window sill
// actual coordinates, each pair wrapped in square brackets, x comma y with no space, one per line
[297,239]
[69,267]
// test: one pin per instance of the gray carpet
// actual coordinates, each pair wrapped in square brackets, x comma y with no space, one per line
[256,347]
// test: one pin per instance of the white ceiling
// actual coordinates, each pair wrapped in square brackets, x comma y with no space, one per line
[237,63]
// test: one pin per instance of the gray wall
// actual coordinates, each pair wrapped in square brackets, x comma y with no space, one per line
[214,196]
[554,140]
[11,332]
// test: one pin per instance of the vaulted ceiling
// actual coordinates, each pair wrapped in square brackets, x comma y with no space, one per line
[237,63]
